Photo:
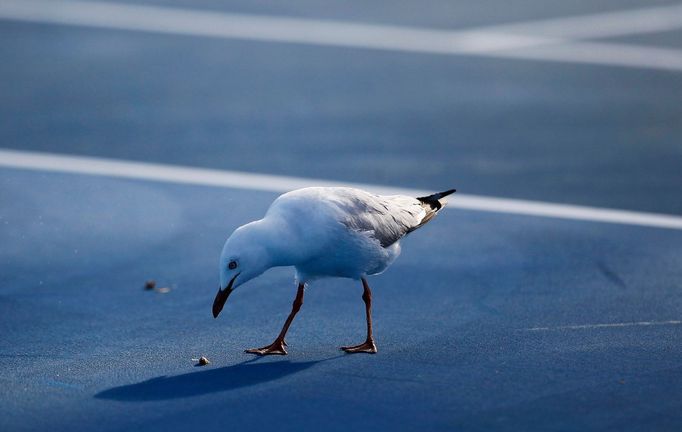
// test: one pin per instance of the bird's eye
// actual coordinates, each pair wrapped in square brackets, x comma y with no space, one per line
[232,265]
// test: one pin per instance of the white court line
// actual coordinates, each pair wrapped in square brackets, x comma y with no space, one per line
[496,41]
[601,25]
[271,183]
[606,54]
[611,325]
[259,27]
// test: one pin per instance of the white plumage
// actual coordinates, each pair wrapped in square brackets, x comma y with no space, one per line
[323,232]
[344,232]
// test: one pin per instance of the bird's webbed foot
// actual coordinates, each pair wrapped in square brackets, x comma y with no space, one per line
[275,348]
[368,347]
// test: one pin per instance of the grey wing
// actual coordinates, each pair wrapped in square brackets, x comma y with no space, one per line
[387,218]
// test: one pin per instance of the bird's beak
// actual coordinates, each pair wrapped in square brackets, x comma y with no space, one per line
[222,296]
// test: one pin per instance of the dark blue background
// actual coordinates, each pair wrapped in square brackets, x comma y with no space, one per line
[84,347]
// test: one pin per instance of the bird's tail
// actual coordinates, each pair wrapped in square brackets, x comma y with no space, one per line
[436,201]
[431,205]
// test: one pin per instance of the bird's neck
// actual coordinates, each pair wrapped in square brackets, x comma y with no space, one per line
[278,242]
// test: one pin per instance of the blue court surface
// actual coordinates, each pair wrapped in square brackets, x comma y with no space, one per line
[493,318]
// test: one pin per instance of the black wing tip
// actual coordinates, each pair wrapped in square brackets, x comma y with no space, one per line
[437,195]
[433,200]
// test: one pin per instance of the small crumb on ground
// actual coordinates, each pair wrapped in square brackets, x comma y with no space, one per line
[203,361]
[150,284]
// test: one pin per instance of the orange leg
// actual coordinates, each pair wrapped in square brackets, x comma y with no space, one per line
[368,346]
[277,347]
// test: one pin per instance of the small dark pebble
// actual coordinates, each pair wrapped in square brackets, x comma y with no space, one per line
[150,284]
[203,361]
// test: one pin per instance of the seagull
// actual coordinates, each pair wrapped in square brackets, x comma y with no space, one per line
[323,232]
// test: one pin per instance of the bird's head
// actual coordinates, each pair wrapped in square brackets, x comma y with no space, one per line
[243,258]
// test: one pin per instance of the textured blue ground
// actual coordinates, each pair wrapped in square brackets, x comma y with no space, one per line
[84,347]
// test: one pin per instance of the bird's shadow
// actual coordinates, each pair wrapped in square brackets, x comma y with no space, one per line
[226,378]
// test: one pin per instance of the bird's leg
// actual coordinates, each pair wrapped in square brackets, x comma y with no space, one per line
[368,346]
[277,347]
